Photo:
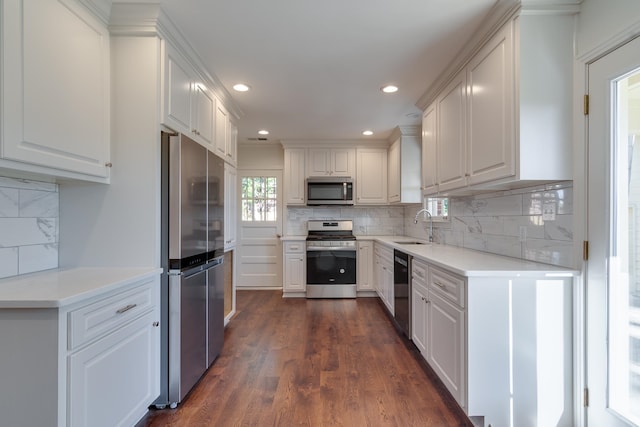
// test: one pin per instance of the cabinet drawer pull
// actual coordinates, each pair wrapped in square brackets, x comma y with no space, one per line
[440,284]
[127,308]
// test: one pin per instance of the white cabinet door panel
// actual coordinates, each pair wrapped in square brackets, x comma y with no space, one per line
[452,135]
[100,386]
[491,110]
[445,346]
[178,93]
[429,153]
[371,185]
[204,103]
[56,86]
[222,129]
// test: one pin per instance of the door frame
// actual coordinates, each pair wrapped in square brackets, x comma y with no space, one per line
[240,248]
[581,202]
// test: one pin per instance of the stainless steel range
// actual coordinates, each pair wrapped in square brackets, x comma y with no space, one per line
[331,259]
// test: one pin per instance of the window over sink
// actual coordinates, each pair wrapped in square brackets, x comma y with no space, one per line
[438,207]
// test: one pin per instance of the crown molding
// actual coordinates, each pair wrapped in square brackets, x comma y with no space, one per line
[150,20]
[502,12]
[334,143]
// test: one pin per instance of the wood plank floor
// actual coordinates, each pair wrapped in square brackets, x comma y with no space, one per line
[303,362]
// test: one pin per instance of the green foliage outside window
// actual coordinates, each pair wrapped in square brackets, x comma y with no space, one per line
[259,201]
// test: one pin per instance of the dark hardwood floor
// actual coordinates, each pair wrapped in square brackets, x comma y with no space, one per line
[305,362]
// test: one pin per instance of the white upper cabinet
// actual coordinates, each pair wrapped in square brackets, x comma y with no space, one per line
[294,176]
[492,141]
[451,128]
[505,119]
[404,168]
[371,183]
[331,162]
[188,105]
[429,151]
[232,144]
[222,130]
[203,105]
[55,84]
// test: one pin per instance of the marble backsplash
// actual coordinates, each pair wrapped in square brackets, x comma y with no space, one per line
[28,226]
[372,221]
[533,223]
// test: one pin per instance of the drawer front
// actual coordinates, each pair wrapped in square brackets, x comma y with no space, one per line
[384,253]
[100,318]
[294,247]
[419,271]
[449,286]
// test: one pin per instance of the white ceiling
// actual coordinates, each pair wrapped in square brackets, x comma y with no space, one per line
[316,67]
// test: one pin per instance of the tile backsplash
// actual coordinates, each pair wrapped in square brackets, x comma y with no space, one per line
[28,226]
[533,223]
[372,221]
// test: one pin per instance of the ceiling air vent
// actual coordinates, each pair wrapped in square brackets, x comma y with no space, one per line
[257,139]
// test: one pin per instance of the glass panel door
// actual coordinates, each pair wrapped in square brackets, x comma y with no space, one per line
[613,227]
[624,257]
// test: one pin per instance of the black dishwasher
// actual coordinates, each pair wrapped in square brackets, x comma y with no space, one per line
[402,290]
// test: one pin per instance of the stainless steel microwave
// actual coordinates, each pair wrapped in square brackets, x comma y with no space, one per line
[334,190]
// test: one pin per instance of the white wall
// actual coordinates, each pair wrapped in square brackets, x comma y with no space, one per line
[257,156]
[119,224]
[602,22]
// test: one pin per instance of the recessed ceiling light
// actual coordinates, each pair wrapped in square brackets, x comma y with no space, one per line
[263,132]
[367,133]
[241,87]
[389,89]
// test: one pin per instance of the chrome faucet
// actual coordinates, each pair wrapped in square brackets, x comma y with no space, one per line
[415,221]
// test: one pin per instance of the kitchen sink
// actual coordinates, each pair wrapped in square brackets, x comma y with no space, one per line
[411,242]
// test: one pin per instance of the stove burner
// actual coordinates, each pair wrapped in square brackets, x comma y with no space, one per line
[330,230]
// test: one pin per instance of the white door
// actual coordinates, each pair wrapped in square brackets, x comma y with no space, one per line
[260,249]
[613,269]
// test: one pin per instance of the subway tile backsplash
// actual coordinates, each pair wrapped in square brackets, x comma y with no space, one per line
[533,223]
[28,226]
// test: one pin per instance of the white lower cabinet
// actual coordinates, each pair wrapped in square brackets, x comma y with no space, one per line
[445,344]
[501,344]
[365,266]
[384,275]
[438,326]
[93,363]
[419,308]
[121,361]
[294,274]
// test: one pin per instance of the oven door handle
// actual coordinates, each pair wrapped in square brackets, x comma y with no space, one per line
[330,248]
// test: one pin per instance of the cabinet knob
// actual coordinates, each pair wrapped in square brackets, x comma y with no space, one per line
[108,164]
[156,324]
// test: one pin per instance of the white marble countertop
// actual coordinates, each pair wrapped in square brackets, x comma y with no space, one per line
[62,287]
[469,262]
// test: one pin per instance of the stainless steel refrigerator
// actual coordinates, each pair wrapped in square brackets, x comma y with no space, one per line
[192,321]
